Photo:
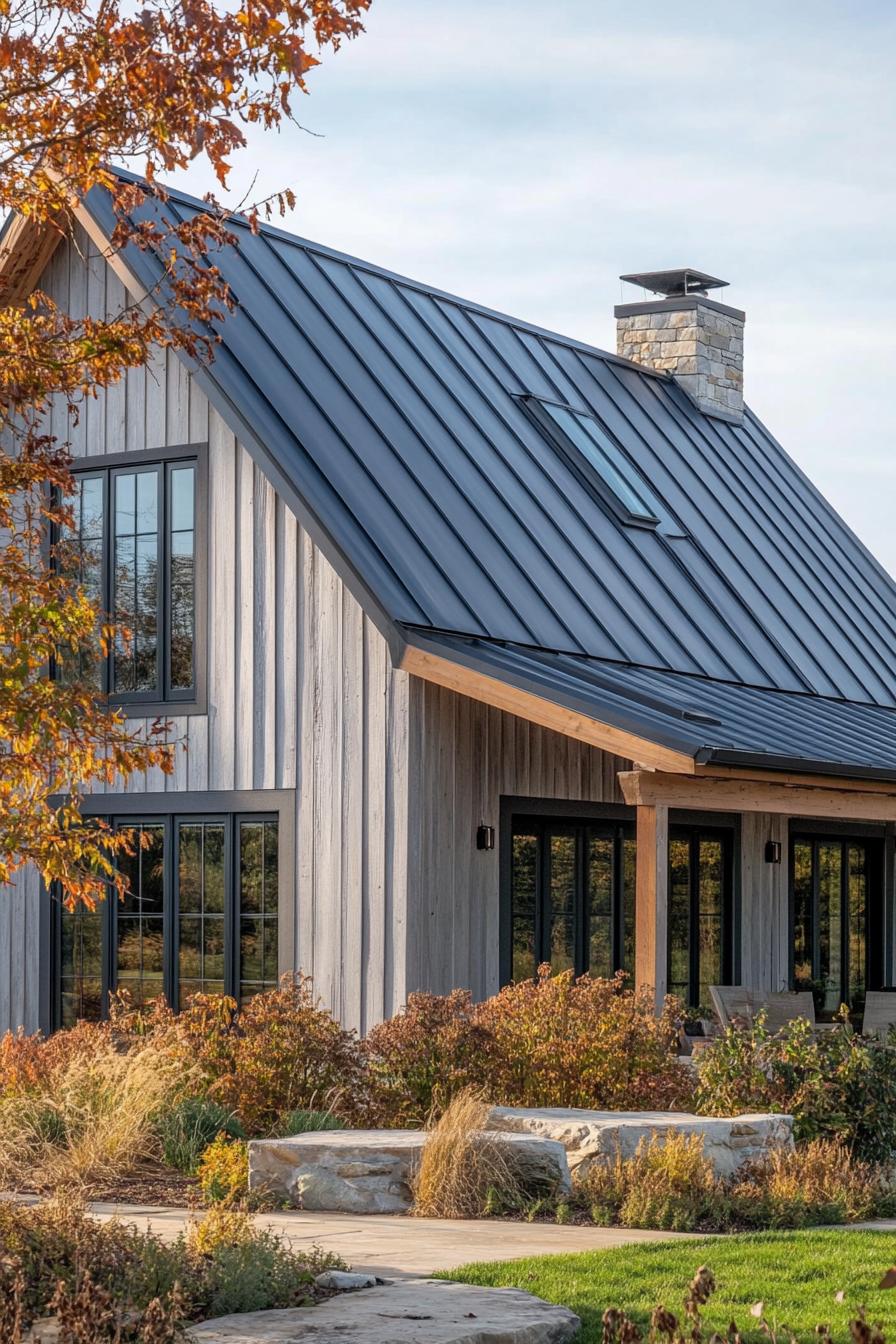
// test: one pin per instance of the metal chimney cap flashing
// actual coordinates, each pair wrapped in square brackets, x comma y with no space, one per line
[677,283]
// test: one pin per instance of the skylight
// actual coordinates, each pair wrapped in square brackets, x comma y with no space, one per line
[585,442]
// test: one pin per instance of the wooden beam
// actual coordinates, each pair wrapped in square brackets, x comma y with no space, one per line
[538,709]
[652,900]
[716,794]
[24,253]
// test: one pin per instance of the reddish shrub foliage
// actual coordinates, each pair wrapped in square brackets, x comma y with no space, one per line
[554,1041]
[424,1056]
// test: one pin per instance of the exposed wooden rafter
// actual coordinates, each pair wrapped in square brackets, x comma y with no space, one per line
[26,248]
[538,709]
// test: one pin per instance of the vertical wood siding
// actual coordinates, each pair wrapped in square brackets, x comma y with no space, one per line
[464,757]
[765,919]
[301,694]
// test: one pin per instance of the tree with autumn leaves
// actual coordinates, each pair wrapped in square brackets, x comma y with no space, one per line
[88,86]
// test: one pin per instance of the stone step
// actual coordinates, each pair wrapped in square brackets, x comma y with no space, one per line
[599,1136]
[416,1311]
[370,1170]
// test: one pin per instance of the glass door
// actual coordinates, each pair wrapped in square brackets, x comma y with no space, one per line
[700,900]
[835,895]
[572,894]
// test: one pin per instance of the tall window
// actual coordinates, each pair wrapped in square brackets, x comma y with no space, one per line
[572,894]
[200,915]
[134,547]
[700,932]
[835,904]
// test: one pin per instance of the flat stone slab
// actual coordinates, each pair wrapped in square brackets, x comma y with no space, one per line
[416,1311]
[599,1136]
[371,1170]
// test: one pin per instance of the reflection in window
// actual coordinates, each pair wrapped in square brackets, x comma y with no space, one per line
[140,917]
[79,553]
[81,965]
[144,574]
[258,870]
[699,913]
[572,897]
[182,624]
[832,885]
[200,916]
[201,906]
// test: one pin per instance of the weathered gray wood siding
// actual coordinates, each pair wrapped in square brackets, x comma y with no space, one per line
[765,919]
[464,757]
[301,694]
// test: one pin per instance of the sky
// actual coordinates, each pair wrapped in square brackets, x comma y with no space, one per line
[525,155]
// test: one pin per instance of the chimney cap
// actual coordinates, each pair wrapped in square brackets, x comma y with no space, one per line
[677,283]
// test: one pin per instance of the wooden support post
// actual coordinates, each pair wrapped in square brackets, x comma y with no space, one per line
[651,899]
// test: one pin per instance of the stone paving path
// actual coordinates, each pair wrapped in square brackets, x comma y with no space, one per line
[394,1246]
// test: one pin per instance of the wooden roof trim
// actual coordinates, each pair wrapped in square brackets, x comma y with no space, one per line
[653,788]
[537,709]
[25,249]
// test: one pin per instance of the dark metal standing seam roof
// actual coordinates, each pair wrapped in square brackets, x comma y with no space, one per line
[392,410]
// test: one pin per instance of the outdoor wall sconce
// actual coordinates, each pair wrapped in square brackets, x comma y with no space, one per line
[485,837]
[773,851]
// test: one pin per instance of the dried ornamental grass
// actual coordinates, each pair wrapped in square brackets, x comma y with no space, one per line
[461,1165]
[93,1120]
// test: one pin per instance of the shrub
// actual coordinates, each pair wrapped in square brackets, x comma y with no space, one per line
[836,1084]
[224,1171]
[819,1182]
[187,1129]
[668,1184]
[464,1171]
[559,1041]
[221,1265]
[424,1056]
[307,1122]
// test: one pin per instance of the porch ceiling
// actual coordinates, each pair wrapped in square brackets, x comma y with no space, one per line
[693,720]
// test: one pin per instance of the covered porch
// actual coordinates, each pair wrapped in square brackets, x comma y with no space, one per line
[809,901]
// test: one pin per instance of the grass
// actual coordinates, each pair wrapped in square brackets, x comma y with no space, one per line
[796,1275]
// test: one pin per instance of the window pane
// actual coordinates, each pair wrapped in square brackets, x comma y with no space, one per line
[830,930]
[600,898]
[79,554]
[803,956]
[680,918]
[710,913]
[81,965]
[140,918]
[258,927]
[562,885]
[136,582]
[523,889]
[611,465]
[858,914]
[201,887]
[182,604]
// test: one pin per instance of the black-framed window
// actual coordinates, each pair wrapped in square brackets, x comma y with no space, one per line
[571,888]
[603,464]
[201,915]
[836,918]
[700,911]
[138,547]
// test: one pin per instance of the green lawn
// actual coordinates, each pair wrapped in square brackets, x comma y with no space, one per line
[796,1274]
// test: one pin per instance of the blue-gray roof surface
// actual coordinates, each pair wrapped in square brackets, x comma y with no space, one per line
[393,411]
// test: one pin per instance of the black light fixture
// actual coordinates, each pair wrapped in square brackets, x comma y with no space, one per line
[485,837]
[773,851]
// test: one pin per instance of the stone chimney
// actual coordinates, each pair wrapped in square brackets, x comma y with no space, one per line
[698,340]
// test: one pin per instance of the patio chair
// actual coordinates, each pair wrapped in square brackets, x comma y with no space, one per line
[880,1012]
[781,1006]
